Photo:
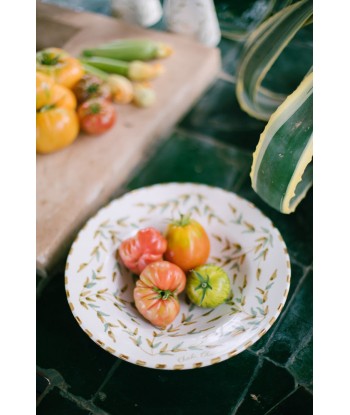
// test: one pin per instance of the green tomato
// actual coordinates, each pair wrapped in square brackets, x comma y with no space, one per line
[208,286]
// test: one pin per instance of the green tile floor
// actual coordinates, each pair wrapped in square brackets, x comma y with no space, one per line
[212,144]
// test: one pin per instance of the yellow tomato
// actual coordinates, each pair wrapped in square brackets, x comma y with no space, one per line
[56,128]
[49,93]
[44,85]
[60,66]
[63,97]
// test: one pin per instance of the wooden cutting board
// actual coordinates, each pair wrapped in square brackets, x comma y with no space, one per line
[74,182]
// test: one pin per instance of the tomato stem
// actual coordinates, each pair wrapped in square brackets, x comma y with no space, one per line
[203,285]
[49,59]
[163,294]
[95,108]
[91,89]
[46,108]
[183,221]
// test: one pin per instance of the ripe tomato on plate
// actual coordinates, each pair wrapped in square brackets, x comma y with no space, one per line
[208,286]
[188,243]
[156,292]
[96,116]
[147,246]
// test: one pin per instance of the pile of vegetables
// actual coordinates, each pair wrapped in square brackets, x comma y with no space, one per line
[79,94]
[161,262]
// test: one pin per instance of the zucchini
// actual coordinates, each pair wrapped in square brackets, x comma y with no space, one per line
[135,71]
[131,50]
[107,65]
[94,71]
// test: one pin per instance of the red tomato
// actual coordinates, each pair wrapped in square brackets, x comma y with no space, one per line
[147,246]
[156,292]
[96,116]
[188,243]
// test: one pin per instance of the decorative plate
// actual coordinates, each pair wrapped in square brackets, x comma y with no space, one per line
[243,241]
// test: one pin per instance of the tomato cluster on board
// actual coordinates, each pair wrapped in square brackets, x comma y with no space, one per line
[167,265]
[68,100]
[75,94]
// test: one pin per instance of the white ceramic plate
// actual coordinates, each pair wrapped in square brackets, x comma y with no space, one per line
[243,241]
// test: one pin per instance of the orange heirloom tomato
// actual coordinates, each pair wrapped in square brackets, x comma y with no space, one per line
[156,292]
[60,66]
[49,93]
[56,128]
[188,243]
[147,246]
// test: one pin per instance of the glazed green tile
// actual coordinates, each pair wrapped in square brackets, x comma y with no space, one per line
[217,114]
[62,344]
[186,158]
[55,404]
[39,280]
[230,55]
[301,363]
[294,328]
[270,385]
[297,272]
[299,402]
[211,390]
[296,228]
[241,16]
